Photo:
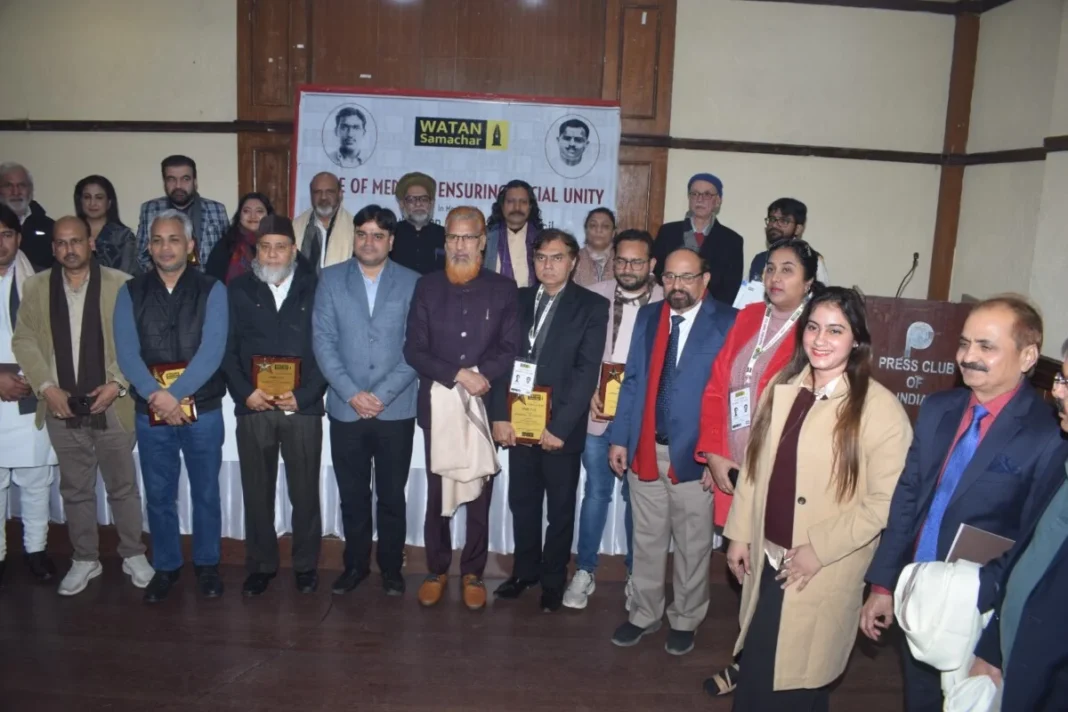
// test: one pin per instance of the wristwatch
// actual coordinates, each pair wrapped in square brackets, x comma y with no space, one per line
[122,389]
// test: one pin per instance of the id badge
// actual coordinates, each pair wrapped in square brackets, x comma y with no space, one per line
[741,417]
[523,378]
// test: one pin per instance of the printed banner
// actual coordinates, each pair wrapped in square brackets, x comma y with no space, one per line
[470,144]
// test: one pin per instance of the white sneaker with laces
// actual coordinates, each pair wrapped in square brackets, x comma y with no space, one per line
[629,593]
[579,590]
[79,576]
[139,570]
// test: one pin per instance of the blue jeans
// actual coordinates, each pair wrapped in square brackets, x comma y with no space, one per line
[596,499]
[200,443]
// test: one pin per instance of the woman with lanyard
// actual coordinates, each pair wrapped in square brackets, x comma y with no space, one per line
[758,346]
[825,452]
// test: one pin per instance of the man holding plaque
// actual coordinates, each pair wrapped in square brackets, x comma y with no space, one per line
[361,308]
[463,332]
[540,410]
[654,435]
[170,336]
[631,289]
[278,400]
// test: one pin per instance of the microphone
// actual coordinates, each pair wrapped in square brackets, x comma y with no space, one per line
[908,275]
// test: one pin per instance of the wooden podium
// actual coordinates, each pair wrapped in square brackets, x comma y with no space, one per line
[914,346]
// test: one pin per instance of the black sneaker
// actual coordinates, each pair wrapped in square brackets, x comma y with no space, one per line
[41,566]
[551,599]
[679,642]
[3,565]
[307,581]
[208,581]
[256,584]
[160,586]
[348,581]
[629,634]
[393,583]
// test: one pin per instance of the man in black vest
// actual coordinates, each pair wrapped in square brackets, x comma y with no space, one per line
[172,321]
[270,331]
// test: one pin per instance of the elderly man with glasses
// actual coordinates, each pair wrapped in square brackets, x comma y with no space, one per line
[419,242]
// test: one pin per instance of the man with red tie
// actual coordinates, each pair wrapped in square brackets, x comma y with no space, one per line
[980,457]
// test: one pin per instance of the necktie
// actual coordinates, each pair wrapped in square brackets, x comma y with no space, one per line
[927,549]
[667,378]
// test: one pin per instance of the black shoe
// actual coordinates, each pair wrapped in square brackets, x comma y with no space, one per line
[551,599]
[348,581]
[160,585]
[513,587]
[679,642]
[41,566]
[208,581]
[308,581]
[629,634]
[3,565]
[256,584]
[393,583]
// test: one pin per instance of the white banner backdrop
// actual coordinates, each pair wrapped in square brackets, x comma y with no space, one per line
[470,144]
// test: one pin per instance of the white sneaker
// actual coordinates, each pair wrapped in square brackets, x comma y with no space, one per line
[79,576]
[140,571]
[629,592]
[579,590]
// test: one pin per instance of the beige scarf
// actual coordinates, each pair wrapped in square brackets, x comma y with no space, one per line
[462,451]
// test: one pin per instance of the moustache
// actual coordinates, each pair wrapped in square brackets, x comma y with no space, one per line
[974,366]
[1059,402]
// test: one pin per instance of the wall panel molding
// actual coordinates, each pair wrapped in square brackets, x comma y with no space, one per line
[960,7]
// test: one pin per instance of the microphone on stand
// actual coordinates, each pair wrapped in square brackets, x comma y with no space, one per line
[908,275]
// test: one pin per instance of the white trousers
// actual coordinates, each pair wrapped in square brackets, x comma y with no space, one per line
[35,488]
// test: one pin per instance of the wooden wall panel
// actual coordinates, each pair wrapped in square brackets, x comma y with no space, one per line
[639,59]
[272,56]
[263,165]
[640,192]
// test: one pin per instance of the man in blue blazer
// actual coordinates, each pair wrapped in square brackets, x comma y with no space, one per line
[654,435]
[982,457]
[360,314]
[1028,636]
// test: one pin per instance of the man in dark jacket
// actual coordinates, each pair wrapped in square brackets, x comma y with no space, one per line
[170,336]
[16,192]
[419,242]
[278,394]
[720,246]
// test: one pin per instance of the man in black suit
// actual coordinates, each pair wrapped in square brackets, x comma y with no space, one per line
[720,246]
[564,327]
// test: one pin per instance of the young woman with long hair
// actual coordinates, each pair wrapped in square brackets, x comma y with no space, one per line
[96,203]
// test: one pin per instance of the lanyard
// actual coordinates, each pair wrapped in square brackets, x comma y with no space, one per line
[535,329]
[761,346]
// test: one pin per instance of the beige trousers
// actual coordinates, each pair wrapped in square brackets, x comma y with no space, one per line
[664,511]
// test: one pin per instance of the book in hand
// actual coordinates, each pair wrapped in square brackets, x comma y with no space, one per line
[977,545]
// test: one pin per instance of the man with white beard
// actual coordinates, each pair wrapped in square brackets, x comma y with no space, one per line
[16,192]
[419,243]
[271,326]
[324,231]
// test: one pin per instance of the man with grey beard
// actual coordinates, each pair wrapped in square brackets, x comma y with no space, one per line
[419,243]
[16,192]
[271,328]
[324,231]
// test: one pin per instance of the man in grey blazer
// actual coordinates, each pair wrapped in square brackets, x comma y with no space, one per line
[361,309]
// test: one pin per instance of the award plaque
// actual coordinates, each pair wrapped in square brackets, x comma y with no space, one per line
[166,374]
[276,375]
[608,390]
[530,414]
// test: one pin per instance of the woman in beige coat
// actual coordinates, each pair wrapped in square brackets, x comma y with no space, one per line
[824,456]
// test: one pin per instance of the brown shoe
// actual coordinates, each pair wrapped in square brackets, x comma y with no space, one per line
[474,592]
[432,588]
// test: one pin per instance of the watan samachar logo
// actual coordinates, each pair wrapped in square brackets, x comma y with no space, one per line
[461,133]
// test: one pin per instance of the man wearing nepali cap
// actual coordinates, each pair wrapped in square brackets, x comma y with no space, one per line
[418,243]
[700,231]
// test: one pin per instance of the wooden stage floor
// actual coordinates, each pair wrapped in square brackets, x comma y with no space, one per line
[106,650]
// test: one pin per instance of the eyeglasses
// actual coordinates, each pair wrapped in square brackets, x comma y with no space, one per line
[1059,380]
[456,239]
[417,200]
[556,258]
[694,195]
[779,220]
[687,279]
[623,263]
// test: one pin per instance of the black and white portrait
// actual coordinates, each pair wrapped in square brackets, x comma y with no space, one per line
[571,146]
[349,136]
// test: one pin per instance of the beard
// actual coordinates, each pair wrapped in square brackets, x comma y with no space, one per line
[325,211]
[180,198]
[679,299]
[462,272]
[19,205]
[272,275]
[631,282]
[418,218]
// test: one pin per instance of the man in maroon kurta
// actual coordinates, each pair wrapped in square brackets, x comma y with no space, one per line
[462,318]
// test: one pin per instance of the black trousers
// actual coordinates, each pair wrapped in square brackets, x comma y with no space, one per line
[300,438]
[756,691]
[535,476]
[923,684]
[388,445]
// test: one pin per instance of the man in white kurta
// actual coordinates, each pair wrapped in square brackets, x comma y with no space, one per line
[26,456]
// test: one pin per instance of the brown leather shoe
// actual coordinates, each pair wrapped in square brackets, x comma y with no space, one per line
[474,592]
[432,588]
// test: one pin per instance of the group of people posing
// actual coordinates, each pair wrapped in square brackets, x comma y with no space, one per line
[763,424]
